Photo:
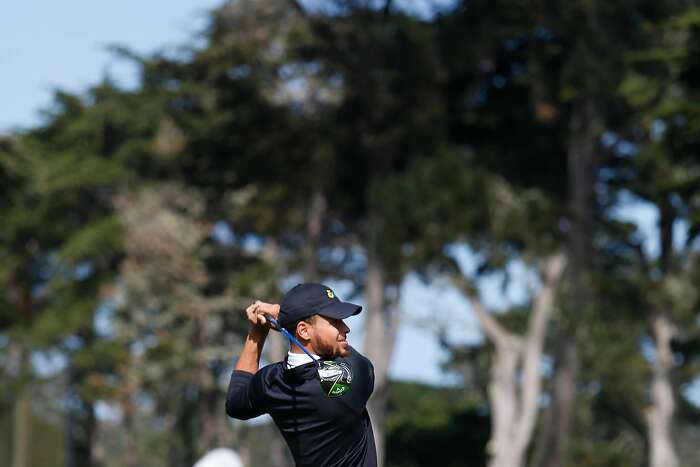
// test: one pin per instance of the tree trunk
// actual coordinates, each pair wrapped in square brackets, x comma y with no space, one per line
[381,324]
[128,430]
[89,428]
[21,439]
[17,357]
[210,397]
[314,227]
[375,348]
[558,415]
[503,397]
[81,422]
[582,169]
[660,414]
[209,408]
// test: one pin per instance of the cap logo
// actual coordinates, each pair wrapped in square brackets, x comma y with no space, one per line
[329,292]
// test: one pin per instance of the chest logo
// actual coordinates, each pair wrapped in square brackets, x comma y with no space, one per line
[336,378]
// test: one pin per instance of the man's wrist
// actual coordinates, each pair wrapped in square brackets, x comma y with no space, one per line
[257,335]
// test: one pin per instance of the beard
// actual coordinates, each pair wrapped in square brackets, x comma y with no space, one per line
[333,349]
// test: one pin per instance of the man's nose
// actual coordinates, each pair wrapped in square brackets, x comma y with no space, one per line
[345,328]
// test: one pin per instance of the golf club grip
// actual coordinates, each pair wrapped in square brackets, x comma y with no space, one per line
[275,326]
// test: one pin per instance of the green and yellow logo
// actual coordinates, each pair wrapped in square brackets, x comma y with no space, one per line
[336,378]
[329,292]
[338,390]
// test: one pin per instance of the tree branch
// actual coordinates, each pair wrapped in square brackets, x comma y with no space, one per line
[495,332]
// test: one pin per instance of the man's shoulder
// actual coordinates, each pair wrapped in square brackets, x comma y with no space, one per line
[356,355]
[271,369]
[267,374]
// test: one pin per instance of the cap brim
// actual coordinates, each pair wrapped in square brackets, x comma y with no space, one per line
[339,310]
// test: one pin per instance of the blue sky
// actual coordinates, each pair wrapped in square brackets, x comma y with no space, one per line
[46,45]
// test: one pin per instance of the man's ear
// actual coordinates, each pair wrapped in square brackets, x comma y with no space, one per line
[303,330]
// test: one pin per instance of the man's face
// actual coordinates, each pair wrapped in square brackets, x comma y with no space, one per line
[328,337]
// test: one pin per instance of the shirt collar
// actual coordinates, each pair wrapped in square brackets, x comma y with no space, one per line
[297,359]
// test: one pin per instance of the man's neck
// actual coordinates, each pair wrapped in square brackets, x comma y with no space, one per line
[296,349]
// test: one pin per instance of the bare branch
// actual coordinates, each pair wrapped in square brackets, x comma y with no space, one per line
[495,332]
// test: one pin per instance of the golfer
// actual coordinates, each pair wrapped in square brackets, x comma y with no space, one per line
[322,428]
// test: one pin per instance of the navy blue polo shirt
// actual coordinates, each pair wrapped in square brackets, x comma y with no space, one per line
[320,431]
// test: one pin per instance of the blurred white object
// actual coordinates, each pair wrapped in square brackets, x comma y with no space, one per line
[220,457]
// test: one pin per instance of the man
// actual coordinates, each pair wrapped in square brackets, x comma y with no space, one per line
[321,429]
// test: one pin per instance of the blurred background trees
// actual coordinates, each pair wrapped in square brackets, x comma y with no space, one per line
[364,143]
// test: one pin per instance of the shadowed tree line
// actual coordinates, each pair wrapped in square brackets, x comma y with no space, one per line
[366,143]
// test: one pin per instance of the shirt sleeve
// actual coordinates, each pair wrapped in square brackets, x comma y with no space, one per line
[245,396]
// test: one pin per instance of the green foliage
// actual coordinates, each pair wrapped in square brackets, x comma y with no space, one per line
[429,425]
[101,235]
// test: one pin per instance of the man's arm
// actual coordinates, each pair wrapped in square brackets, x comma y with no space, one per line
[245,397]
[249,360]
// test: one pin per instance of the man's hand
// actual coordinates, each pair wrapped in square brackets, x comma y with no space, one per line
[256,316]
[249,360]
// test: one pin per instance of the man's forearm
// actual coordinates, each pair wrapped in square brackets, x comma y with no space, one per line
[252,350]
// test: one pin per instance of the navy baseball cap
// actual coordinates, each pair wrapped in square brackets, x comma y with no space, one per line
[304,300]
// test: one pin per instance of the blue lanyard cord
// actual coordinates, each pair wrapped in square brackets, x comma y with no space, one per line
[277,327]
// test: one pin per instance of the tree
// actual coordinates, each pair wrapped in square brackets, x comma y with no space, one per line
[172,304]
[56,264]
[549,74]
[663,174]
[515,385]
[490,226]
